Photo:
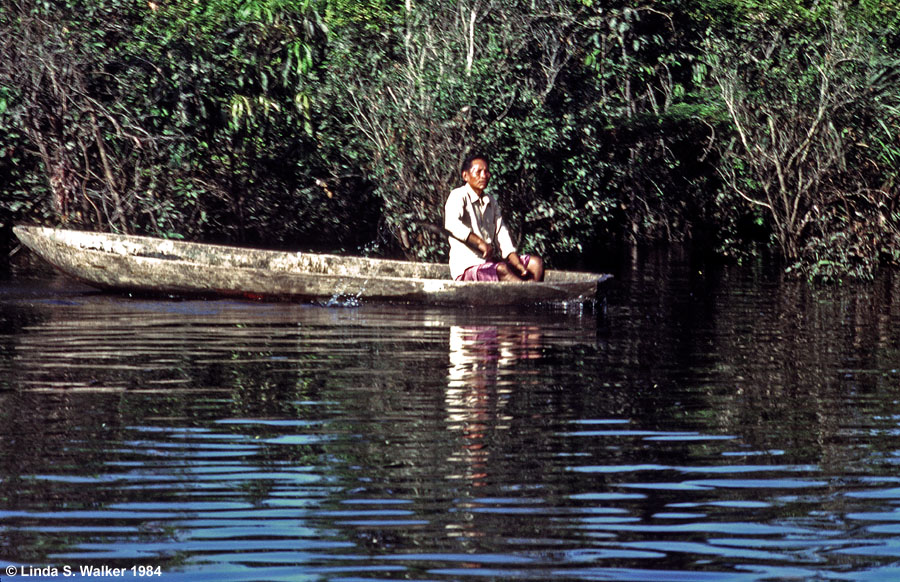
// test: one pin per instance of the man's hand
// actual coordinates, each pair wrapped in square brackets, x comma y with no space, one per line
[516,264]
[486,249]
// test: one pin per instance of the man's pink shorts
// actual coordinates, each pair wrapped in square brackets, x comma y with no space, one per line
[486,271]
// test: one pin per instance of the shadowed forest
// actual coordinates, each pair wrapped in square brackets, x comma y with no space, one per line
[746,128]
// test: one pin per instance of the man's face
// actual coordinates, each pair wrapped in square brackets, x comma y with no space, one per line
[477,175]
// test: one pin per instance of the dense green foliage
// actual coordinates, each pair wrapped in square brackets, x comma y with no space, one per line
[336,124]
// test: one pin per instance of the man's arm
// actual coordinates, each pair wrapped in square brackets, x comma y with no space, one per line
[506,246]
[454,211]
[504,240]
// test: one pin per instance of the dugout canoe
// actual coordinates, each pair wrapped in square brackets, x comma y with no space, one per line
[147,265]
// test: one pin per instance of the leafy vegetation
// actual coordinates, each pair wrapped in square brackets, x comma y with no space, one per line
[741,125]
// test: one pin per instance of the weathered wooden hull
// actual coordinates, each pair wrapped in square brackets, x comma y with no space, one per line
[153,265]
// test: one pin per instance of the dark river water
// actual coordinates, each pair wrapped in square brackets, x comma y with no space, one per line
[713,425]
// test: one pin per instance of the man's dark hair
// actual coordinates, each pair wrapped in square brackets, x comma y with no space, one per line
[467,163]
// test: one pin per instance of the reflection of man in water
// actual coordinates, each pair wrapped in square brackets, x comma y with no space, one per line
[475,394]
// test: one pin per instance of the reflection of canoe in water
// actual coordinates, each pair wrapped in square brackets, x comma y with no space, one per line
[153,265]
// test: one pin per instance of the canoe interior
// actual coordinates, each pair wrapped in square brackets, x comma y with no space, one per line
[226,257]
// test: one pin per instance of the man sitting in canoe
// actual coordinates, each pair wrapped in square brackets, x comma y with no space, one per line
[474,220]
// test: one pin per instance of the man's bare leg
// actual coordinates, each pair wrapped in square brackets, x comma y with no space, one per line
[536,268]
[534,271]
[505,273]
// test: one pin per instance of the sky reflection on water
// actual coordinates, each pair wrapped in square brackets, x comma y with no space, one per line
[708,427]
